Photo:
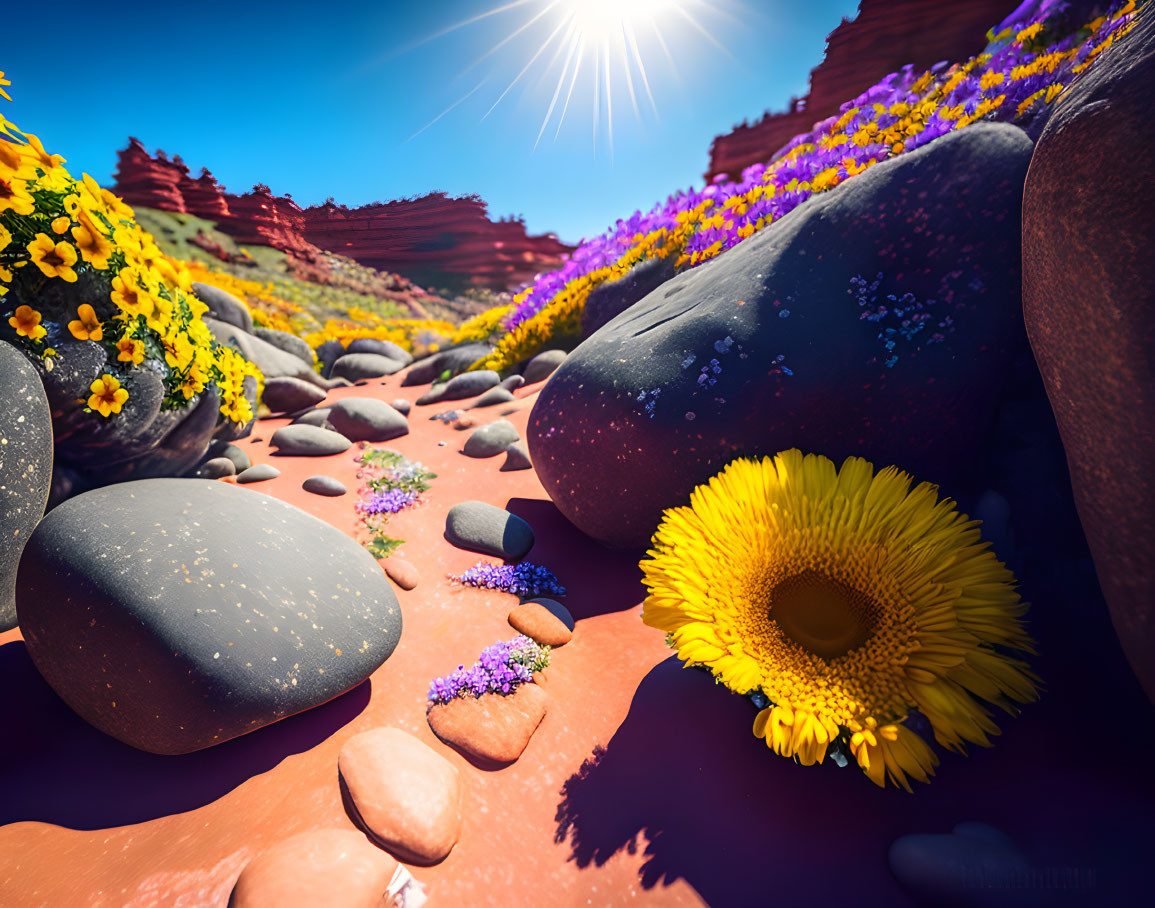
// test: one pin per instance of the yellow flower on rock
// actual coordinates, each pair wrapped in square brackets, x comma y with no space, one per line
[14,195]
[93,244]
[849,601]
[26,321]
[54,259]
[87,326]
[5,237]
[178,350]
[129,350]
[107,396]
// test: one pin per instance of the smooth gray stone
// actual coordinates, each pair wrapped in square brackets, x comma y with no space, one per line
[516,458]
[452,361]
[258,473]
[317,417]
[401,405]
[491,439]
[367,419]
[308,441]
[215,468]
[237,455]
[286,393]
[388,349]
[175,614]
[224,306]
[328,353]
[512,383]
[25,467]
[543,365]
[361,366]
[290,343]
[493,397]
[324,485]
[481,527]
[272,361]
[469,384]
[433,395]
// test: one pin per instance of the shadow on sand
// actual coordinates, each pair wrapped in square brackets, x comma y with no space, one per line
[58,769]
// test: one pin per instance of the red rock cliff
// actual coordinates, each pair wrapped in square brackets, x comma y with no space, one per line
[882,38]
[435,239]
[152,182]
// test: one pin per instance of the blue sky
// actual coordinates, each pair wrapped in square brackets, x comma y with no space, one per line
[324,99]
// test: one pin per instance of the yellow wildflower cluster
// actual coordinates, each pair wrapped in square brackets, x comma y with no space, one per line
[482,326]
[562,315]
[269,310]
[74,249]
[416,335]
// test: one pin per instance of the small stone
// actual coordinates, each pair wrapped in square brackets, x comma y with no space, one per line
[405,794]
[290,343]
[469,384]
[281,395]
[516,458]
[360,366]
[318,416]
[237,455]
[491,439]
[258,473]
[401,572]
[512,383]
[433,395]
[401,405]
[491,530]
[492,729]
[308,441]
[367,419]
[215,468]
[324,485]
[323,868]
[224,306]
[543,365]
[385,348]
[493,397]
[328,353]
[452,361]
[544,620]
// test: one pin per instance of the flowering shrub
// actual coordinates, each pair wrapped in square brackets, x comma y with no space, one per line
[418,336]
[1031,57]
[501,669]
[522,579]
[75,265]
[391,484]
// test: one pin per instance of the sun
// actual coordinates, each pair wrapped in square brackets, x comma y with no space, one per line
[598,53]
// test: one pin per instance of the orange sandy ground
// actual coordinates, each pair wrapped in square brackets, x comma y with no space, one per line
[684,805]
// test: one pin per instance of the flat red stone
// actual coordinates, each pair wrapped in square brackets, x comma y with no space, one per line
[537,622]
[401,572]
[494,728]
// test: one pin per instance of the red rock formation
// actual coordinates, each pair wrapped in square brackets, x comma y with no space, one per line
[435,239]
[151,182]
[259,218]
[204,196]
[884,37]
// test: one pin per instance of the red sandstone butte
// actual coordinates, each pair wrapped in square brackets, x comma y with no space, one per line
[884,36]
[152,182]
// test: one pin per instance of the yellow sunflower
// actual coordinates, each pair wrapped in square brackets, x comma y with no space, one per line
[849,601]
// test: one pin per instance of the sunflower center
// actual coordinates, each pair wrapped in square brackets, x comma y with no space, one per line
[823,615]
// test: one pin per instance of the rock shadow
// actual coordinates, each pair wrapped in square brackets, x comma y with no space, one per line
[56,768]
[685,781]
[614,587]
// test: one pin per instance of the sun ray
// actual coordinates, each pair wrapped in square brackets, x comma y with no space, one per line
[464,97]
[569,93]
[525,68]
[513,34]
[632,36]
[573,45]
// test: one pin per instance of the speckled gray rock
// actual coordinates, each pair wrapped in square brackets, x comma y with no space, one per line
[543,365]
[316,417]
[328,353]
[360,366]
[258,472]
[290,343]
[308,441]
[367,419]
[493,397]
[516,458]
[284,394]
[452,361]
[237,455]
[234,610]
[491,439]
[324,485]
[25,466]
[611,299]
[401,405]
[512,383]
[491,530]
[224,306]
[215,468]
[385,348]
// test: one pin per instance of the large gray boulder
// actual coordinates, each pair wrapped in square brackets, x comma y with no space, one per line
[175,614]
[224,306]
[875,319]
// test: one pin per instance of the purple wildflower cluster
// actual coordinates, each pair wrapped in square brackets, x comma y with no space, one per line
[501,669]
[522,579]
[388,501]
[1033,53]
